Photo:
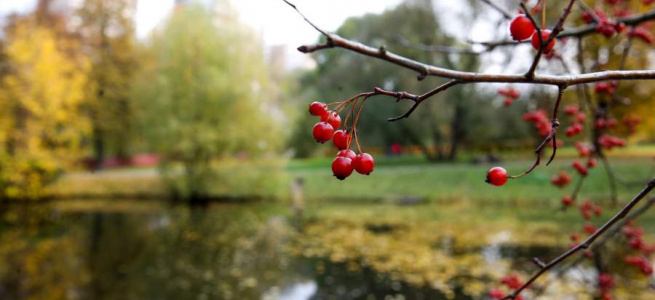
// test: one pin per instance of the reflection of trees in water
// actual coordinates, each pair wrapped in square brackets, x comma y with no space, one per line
[250,252]
[38,261]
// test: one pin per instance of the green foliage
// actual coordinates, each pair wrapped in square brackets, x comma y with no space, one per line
[108,33]
[204,96]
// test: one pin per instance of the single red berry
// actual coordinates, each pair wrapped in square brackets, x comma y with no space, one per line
[341,139]
[508,102]
[575,237]
[333,118]
[364,163]
[521,28]
[347,153]
[567,201]
[318,109]
[591,163]
[342,167]
[545,34]
[497,176]
[323,132]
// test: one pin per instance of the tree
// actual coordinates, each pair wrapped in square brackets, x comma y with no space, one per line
[444,125]
[204,97]
[41,96]
[543,41]
[108,33]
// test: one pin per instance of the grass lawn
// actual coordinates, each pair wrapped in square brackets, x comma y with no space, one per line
[394,178]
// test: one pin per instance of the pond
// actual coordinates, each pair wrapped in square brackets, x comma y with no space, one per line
[148,250]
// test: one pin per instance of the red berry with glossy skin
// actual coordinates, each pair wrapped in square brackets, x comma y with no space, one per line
[342,167]
[497,176]
[318,109]
[521,28]
[347,153]
[545,34]
[341,139]
[333,118]
[364,163]
[323,132]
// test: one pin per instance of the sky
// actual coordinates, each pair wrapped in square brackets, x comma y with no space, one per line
[278,24]
[273,20]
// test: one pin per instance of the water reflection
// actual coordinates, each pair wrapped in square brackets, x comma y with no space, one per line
[106,251]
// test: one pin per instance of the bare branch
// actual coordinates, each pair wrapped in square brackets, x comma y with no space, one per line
[633,20]
[507,15]
[587,242]
[553,35]
[424,70]
[438,48]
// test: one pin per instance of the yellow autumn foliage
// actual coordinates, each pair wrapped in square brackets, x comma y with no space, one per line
[41,98]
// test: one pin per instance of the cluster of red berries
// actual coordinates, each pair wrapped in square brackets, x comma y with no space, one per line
[540,120]
[346,161]
[583,150]
[609,142]
[512,282]
[606,284]
[643,34]
[587,208]
[631,122]
[576,124]
[606,26]
[510,95]
[634,235]
[582,169]
[606,123]
[561,180]
[643,264]
[606,88]
[521,28]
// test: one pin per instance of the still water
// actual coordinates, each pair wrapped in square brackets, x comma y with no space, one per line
[146,250]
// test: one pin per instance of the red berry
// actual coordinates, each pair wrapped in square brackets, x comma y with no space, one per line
[323,132]
[347,153]
[508,102]
[521,28]
[342,167]
[341,139]
[333,118]
[497,176]
[364,163]
[567,201]
[545,34]
[591,163]
[317,109]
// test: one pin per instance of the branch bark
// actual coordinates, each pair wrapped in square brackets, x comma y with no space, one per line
[587,242]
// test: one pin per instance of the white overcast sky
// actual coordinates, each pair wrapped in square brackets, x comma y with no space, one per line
[278,24]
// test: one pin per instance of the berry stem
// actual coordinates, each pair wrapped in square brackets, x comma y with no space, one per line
[361,106]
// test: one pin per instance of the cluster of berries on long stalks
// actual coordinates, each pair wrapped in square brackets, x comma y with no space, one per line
[329,128]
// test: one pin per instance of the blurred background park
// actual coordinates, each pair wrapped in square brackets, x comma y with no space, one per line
[162,150]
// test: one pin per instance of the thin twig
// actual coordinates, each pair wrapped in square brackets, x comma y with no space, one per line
[553,35]
[424,70]
[587,242]
[507,15]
